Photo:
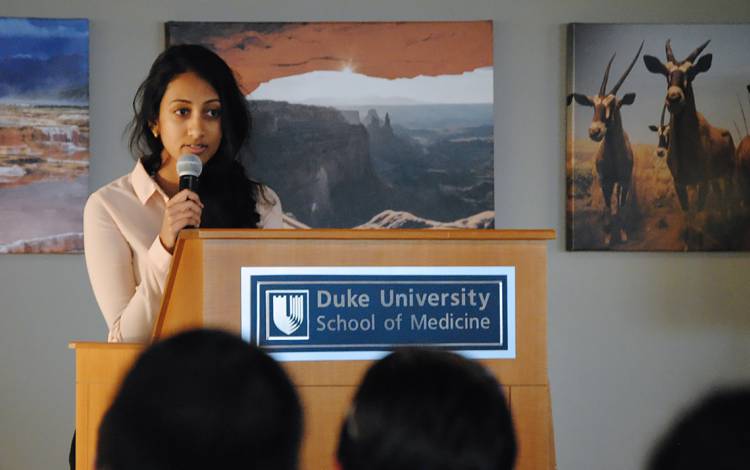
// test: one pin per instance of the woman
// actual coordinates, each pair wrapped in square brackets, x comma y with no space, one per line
[189,104]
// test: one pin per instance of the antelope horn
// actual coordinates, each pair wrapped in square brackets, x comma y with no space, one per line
[624,76]
[663,109]
[694,55]
[744,119]
[603,88]
[670,55]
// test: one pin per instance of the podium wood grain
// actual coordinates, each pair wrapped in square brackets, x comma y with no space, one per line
[100,367]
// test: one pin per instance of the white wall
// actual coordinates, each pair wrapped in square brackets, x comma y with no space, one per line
[632,337]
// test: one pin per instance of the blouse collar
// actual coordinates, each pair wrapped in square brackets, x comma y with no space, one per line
[143,185]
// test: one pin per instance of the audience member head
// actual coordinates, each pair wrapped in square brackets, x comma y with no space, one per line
[419,409]
[714,434]
[202,399]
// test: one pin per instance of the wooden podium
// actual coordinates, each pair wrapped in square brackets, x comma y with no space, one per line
[203,289]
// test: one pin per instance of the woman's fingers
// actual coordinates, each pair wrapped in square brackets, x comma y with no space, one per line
[185,207]
[183,196]
[182,210]
[182,222]
[187,211]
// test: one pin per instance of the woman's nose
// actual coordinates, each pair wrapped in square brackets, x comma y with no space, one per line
[195,127]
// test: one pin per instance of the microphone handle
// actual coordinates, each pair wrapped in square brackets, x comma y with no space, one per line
[189,182]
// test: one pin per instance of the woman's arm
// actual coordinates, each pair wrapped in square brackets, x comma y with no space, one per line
[129,304]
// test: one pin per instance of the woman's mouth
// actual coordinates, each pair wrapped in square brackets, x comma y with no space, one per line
[196,149]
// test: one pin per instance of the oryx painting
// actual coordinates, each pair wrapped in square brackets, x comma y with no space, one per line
[367,124]
[44,134]
[657,124]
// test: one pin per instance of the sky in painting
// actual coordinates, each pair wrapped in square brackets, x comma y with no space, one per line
[43,60]
[348,88]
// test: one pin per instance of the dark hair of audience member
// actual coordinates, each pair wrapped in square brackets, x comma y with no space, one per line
[712,435]
[418,409]
[202,400]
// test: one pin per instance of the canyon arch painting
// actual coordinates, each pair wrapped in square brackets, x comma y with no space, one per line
[366,124]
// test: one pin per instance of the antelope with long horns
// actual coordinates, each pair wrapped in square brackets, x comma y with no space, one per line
[698,152]
[743,165]
[662,132]
[614,158]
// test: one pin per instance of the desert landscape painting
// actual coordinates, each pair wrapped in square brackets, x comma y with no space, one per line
[369,125]
[657,151]
[44,134]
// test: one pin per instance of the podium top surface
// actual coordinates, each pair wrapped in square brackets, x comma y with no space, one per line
[80,345]
[369,234]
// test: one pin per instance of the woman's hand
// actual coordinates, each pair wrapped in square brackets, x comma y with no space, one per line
[183,210]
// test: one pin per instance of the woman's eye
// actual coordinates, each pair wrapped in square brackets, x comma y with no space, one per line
[213,113]
[182,111]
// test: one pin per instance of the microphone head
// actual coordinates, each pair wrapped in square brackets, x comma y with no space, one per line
[189,165]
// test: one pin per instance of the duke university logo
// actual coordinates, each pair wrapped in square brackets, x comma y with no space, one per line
[289,310]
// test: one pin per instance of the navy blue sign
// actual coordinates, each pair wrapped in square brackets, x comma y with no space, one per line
[361,313]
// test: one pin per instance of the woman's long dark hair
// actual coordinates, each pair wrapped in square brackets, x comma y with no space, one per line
[228,195]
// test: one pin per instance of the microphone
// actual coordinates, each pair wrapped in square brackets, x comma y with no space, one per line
[189,167]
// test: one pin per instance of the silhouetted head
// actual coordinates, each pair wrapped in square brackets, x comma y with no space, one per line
[427,410]
[714,434]
[202,399]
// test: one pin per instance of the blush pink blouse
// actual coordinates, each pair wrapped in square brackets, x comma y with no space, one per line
[127,263]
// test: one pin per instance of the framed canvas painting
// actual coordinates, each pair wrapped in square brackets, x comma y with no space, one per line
[44,134]
[657,151]
[374,124]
